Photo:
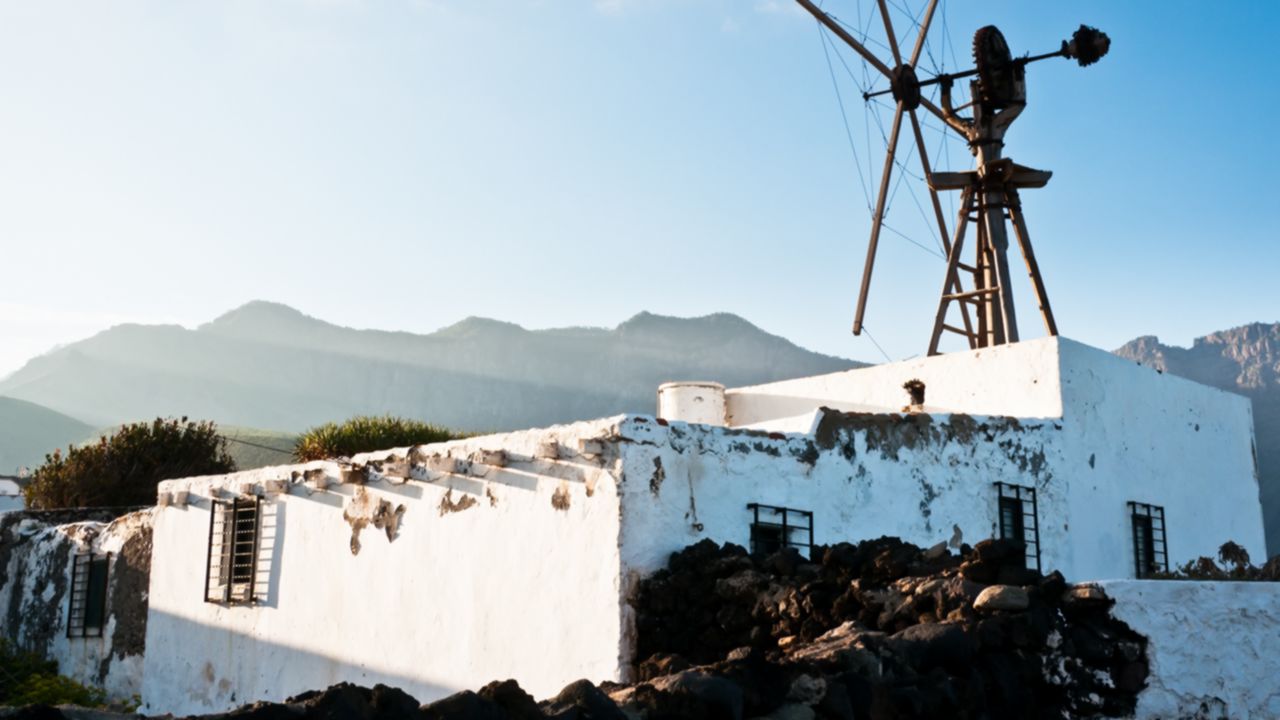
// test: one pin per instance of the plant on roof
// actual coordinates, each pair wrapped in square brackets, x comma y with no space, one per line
[367,433]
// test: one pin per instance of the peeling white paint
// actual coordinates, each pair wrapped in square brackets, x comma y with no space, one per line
[34,600]
[1212,646]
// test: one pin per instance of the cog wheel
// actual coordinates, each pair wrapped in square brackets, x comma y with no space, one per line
[998,75]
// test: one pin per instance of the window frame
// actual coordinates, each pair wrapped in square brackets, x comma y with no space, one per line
[1148,519]
[785,528]
[1029,508]
[87,595]
[231,561]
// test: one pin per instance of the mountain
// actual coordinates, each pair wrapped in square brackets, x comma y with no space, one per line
[267,365]
[1243,360]
[29,431]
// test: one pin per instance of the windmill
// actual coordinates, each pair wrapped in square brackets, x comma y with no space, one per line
[988,194]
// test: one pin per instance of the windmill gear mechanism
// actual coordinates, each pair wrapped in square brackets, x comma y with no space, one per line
[977,289]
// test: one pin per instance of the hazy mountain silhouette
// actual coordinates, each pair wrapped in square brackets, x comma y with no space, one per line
[28,431]
[1244,360]
[267,365]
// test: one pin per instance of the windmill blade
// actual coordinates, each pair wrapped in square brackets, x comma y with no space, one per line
[924,30]
[844,35]
[888,30]
[923,152]
[878,219]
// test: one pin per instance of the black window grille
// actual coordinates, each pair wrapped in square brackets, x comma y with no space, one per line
[1150,548]
[1020,518]
[232,565]
[773,528]
[87,607]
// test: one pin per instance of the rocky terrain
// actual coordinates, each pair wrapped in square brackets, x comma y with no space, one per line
[878,630]
[1243,360]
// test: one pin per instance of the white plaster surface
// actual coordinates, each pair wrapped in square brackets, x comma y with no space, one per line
[530,579]
[1133,434]
[1213,647]
[10,496]
[1019,380]
[49,550]
[520,580]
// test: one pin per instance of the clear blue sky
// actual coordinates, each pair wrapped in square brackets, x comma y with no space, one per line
[566,162]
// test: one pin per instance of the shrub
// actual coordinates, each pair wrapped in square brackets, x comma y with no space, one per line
[123,469]
[366,433]
[27,678]
[1232,564]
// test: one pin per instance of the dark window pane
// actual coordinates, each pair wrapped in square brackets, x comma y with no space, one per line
[1011,519]
[95,601]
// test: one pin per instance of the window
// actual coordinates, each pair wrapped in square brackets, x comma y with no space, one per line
[1150,550]
[232,565]
[773,528]
[1019,518]
[87,609]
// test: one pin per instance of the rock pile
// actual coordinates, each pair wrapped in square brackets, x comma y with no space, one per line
[886,630]
[879,630]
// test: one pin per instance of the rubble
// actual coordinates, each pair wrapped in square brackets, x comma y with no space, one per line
[880,630]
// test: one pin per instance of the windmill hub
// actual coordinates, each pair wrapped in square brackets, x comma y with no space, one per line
[905,86]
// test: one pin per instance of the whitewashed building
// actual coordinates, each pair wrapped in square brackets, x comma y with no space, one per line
[10,496]
[441,567]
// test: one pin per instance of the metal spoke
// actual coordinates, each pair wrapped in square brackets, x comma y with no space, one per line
[844,35]
[877,219]
[888,30]
[928,172]
[924,30]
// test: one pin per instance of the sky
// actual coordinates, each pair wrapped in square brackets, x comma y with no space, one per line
[404,165]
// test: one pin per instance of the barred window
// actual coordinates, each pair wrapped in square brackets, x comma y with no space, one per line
[1150,548]
[87,607]
[1019,518]
[231,567]
[773,528]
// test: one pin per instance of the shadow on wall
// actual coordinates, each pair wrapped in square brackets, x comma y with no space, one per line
[196,668]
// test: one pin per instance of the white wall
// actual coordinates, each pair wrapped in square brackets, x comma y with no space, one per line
[34,598]
[920,478]
[10,496]
[1019,380]
[1214,645]
[1131,433]
[517,584]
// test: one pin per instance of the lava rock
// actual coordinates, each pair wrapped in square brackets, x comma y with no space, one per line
[1001,597]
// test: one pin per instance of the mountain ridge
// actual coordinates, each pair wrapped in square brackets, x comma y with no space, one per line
[268,365]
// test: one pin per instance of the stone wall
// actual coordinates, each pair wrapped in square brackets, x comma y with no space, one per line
[37,550]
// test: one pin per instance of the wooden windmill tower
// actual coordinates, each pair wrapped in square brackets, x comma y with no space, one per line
[979,289]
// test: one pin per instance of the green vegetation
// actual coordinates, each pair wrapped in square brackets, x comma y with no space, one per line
[366,433]
[123,469]
[27,678]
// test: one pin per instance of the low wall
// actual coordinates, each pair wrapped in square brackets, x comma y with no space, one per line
[37,550]
[1214,647]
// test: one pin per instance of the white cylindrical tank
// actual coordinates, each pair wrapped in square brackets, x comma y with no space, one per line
[692,402]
